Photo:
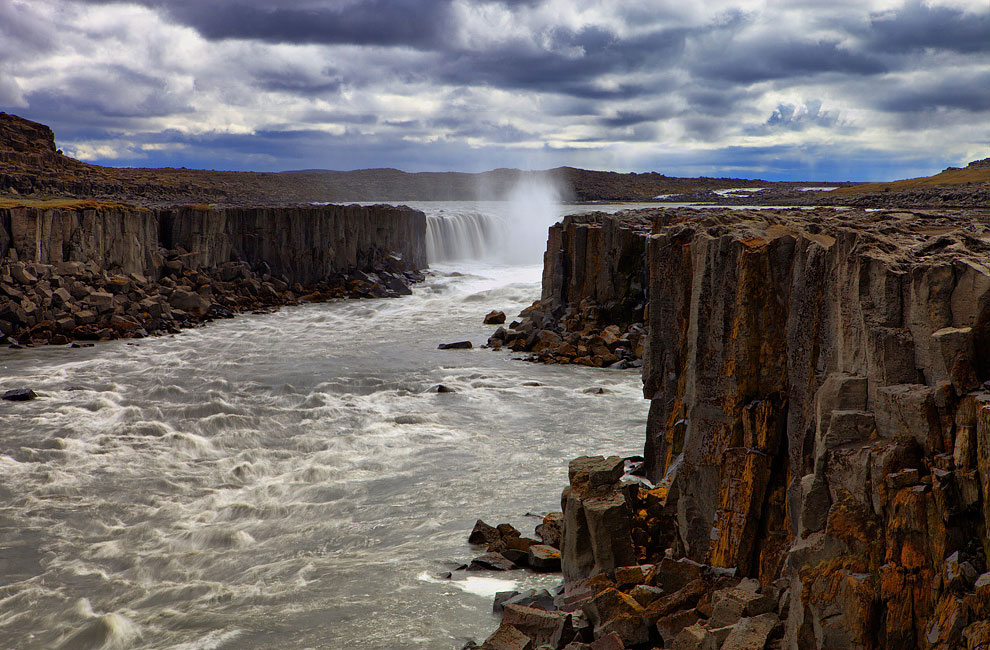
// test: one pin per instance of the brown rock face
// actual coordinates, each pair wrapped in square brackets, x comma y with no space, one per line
[819,431]
[818,413]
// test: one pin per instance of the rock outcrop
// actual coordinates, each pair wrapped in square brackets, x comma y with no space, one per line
[593,301]
[819,410]
[91,271]
[819,438]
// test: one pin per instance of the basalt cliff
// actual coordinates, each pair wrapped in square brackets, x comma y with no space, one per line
[88,270]
[817,458]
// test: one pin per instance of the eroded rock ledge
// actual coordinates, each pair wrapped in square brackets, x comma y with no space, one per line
[89,270]
[819,433]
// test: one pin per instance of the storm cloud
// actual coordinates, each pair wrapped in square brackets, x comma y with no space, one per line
[734,87]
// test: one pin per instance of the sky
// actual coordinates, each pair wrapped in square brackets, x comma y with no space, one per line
[778,90]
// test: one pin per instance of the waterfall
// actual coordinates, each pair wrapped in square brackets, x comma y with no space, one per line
[463,235]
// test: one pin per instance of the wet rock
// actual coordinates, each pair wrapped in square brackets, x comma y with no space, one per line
[482,533]
[441,388]
[538,598]
[457,345]
[19,395]
[491,562]
[495,318]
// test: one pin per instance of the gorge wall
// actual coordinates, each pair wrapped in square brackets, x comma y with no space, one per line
[818,391]
[88,269]
[818,435]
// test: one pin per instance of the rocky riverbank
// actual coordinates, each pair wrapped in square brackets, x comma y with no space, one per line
[819,437]
[593,303]
[91,271]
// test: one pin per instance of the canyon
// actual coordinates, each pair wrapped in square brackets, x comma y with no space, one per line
[817,452]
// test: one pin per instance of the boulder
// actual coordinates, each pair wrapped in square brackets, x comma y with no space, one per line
[611,604]
[482,533]
[507,637]
[457,345]
[544,558]
[730,605]
[189,301]
[670,626]
[550,530]
[538,598]
[19,395]
[539,625]
[495,318]
[751,633]
[491,562]
[100,301]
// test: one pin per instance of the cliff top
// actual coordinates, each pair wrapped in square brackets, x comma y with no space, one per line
[901,236]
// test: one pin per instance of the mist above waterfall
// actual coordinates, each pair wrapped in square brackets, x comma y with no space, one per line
[534,205]
[507,225]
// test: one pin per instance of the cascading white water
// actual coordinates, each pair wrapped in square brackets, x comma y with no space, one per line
[463,235]
[512,230]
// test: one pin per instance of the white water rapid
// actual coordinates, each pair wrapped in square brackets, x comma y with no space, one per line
[290,480]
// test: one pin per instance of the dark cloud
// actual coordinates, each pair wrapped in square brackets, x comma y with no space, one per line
[340,117]
[626,118]
[412,23]
[785,58]
[966,93]
[109,94]
[917,26]
[298,81]
[558,69]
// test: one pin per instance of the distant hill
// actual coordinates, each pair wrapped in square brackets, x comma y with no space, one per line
[966,186]
[31,166]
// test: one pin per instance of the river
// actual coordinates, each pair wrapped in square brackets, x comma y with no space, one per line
[290,480]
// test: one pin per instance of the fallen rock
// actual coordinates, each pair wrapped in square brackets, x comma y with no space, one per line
[610,641]
[492,562]
[507,637]
[457,345]
[731,605]
[671,625]
[482,533]
[539,625]
[550,530]
[19,395]
[539,598]
[751,633]
[544,558]
[495,318]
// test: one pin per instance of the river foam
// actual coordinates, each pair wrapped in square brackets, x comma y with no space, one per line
[282,480]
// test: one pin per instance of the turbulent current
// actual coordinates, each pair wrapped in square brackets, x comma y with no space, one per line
[289,480]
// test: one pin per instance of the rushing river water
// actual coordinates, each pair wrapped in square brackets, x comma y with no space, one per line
[289,480]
